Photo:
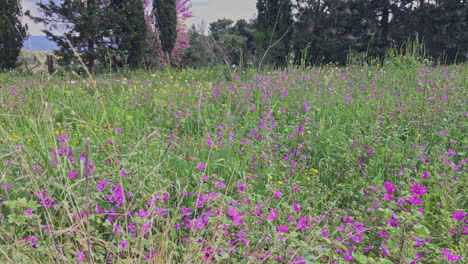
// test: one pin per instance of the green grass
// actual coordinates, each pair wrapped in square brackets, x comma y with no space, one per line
[363,126]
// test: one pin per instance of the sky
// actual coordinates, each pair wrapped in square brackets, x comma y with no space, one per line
[205,11]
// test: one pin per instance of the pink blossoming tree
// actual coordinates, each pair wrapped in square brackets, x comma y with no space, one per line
[182,41]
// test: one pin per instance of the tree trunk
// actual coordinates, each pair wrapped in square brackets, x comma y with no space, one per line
[241,59]
[50,64]
[385,19]
[168,59]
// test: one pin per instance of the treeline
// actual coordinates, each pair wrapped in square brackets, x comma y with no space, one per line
[315,32]
[153,34]
[93,35]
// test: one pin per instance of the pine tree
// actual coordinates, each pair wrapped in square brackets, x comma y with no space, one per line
[12,33]
[85,33]
[166,22]
[274,30]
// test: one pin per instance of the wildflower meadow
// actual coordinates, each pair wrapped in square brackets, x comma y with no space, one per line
[356,164]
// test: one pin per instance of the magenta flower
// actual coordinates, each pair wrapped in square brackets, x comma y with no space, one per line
[389,197]
[452,257]
[443,132]
[273,215]
[416,200]
[418,189]
[393,222]
[221,185]
[102,185]
[80,256]
[389,186]
[73,174]
[30,211]
[30,241]
[278,194]
[201,166]
[282,228]
[119,131]
[63,138]
[459,215]
[241,187]
[385,250]
[124,244]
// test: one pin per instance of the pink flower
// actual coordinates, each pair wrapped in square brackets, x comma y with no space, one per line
[80,256]
[201,166]
[118,130]
[443,132]
[393,222]
[274,215]
[389,186]
[389,197]
[416,200]
[30,211]
[124,244]
[278,194]
[282,228]
[63,138]
[218,184]
[459,215]
[385,250]
[241,187]
[418,189]
[450,256]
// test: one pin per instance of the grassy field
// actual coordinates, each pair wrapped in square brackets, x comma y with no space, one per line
[361,164]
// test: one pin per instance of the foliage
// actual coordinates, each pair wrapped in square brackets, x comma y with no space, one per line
[337,30]
[274,30]
[12,33]
[129,31]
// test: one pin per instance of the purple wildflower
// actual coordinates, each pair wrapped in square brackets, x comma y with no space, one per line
[389,186]
[459,215]
[418,189]
[201,166]
[452,257]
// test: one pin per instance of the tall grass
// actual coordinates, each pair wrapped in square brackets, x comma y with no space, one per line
[199,166]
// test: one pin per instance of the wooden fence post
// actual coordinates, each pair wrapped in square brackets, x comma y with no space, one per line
[50,64]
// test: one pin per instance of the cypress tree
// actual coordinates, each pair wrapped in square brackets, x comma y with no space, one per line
[12,33]
[129,30]
[166,20]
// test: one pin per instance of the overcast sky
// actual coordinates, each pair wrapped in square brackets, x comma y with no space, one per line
[203,10]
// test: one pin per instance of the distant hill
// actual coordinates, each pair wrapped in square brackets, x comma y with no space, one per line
[39,43]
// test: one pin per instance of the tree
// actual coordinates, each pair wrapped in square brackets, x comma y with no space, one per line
[274,30]
[83,23]
[129,30]
[197,54]
[155,54]
[439,25]
[166,21]
[12,33]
